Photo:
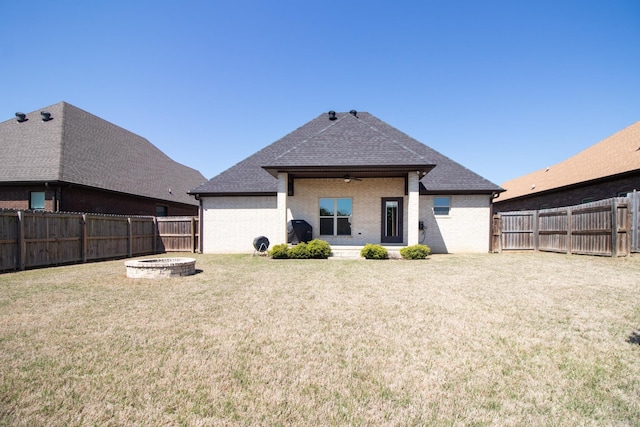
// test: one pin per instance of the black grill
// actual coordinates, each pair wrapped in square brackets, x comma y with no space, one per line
[299,230]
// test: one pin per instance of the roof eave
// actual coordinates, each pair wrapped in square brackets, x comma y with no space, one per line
[570,186]
[330,171]
[199,195]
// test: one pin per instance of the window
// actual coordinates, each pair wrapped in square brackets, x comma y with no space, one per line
[544,206]
[36,200]
[335,217]
[588,200]
[441,205]
[161,210]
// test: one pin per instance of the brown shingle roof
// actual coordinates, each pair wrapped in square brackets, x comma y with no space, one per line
[80,148]
[349,141]
[617,154]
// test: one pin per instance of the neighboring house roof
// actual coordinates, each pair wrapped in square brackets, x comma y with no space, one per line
[615,155]
[77,147]
[357,143]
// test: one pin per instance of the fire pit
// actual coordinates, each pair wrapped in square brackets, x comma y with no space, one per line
[154,268]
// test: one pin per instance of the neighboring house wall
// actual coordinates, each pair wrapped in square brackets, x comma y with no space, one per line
[79,199]
[17,197]
[605,189]
[232,223]
[465,229]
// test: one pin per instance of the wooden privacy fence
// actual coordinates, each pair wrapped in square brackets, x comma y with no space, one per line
[37,239]
[606,227]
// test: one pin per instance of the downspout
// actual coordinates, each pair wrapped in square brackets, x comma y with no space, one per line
[57,199]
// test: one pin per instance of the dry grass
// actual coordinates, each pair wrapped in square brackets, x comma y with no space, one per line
[511,339]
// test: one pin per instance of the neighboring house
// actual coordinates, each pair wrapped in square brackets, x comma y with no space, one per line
[65,159]
[355,180]
[610,168]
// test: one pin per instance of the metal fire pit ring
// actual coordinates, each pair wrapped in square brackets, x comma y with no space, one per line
[154,268]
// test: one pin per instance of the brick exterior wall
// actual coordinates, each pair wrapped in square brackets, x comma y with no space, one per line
[230,224]
[80,199]
[465,229]
[572,196]
[367,206]
[17,197]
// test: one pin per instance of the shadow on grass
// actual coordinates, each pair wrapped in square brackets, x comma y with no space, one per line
[634,338]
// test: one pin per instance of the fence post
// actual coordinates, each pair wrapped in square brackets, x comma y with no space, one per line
[22,244]
[85,238]
[536,230]
[569,229]
[155,235]
[130,238]
[614,228]
[193,234]
[634,200]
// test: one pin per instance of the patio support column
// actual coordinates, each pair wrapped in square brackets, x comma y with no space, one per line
[283,180]
[413,209]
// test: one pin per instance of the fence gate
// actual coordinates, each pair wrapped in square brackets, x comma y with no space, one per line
[518,230]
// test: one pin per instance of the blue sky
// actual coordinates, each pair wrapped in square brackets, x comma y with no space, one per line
[502,87]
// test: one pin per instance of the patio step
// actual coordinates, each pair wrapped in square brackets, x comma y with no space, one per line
[353,252]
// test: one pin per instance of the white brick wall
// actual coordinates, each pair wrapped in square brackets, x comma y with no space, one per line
[231,223]
[465,229]
[365,195]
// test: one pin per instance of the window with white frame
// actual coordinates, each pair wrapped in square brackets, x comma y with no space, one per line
[441,205]
[335,216]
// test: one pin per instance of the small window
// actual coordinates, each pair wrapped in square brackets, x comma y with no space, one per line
[162,210]
[36,200]
[441,205]
[335,217]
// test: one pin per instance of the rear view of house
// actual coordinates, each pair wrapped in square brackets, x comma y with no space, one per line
[354,180]
[62,158]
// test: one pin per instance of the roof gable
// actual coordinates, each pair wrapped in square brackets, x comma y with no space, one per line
[350,140]
[80,148]
[617,154]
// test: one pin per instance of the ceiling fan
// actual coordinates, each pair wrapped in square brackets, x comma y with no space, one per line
[349,178]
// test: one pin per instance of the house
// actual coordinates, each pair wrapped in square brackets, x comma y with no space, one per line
[62,158]
[610,168]
[354,180]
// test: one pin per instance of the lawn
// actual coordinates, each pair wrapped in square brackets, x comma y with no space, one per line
[509,339]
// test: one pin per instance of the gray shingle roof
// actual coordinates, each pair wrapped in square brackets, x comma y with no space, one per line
[79,148]
[355,141]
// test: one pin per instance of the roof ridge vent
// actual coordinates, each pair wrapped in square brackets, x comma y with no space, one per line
[354,113]
[46,116]
[21,117]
